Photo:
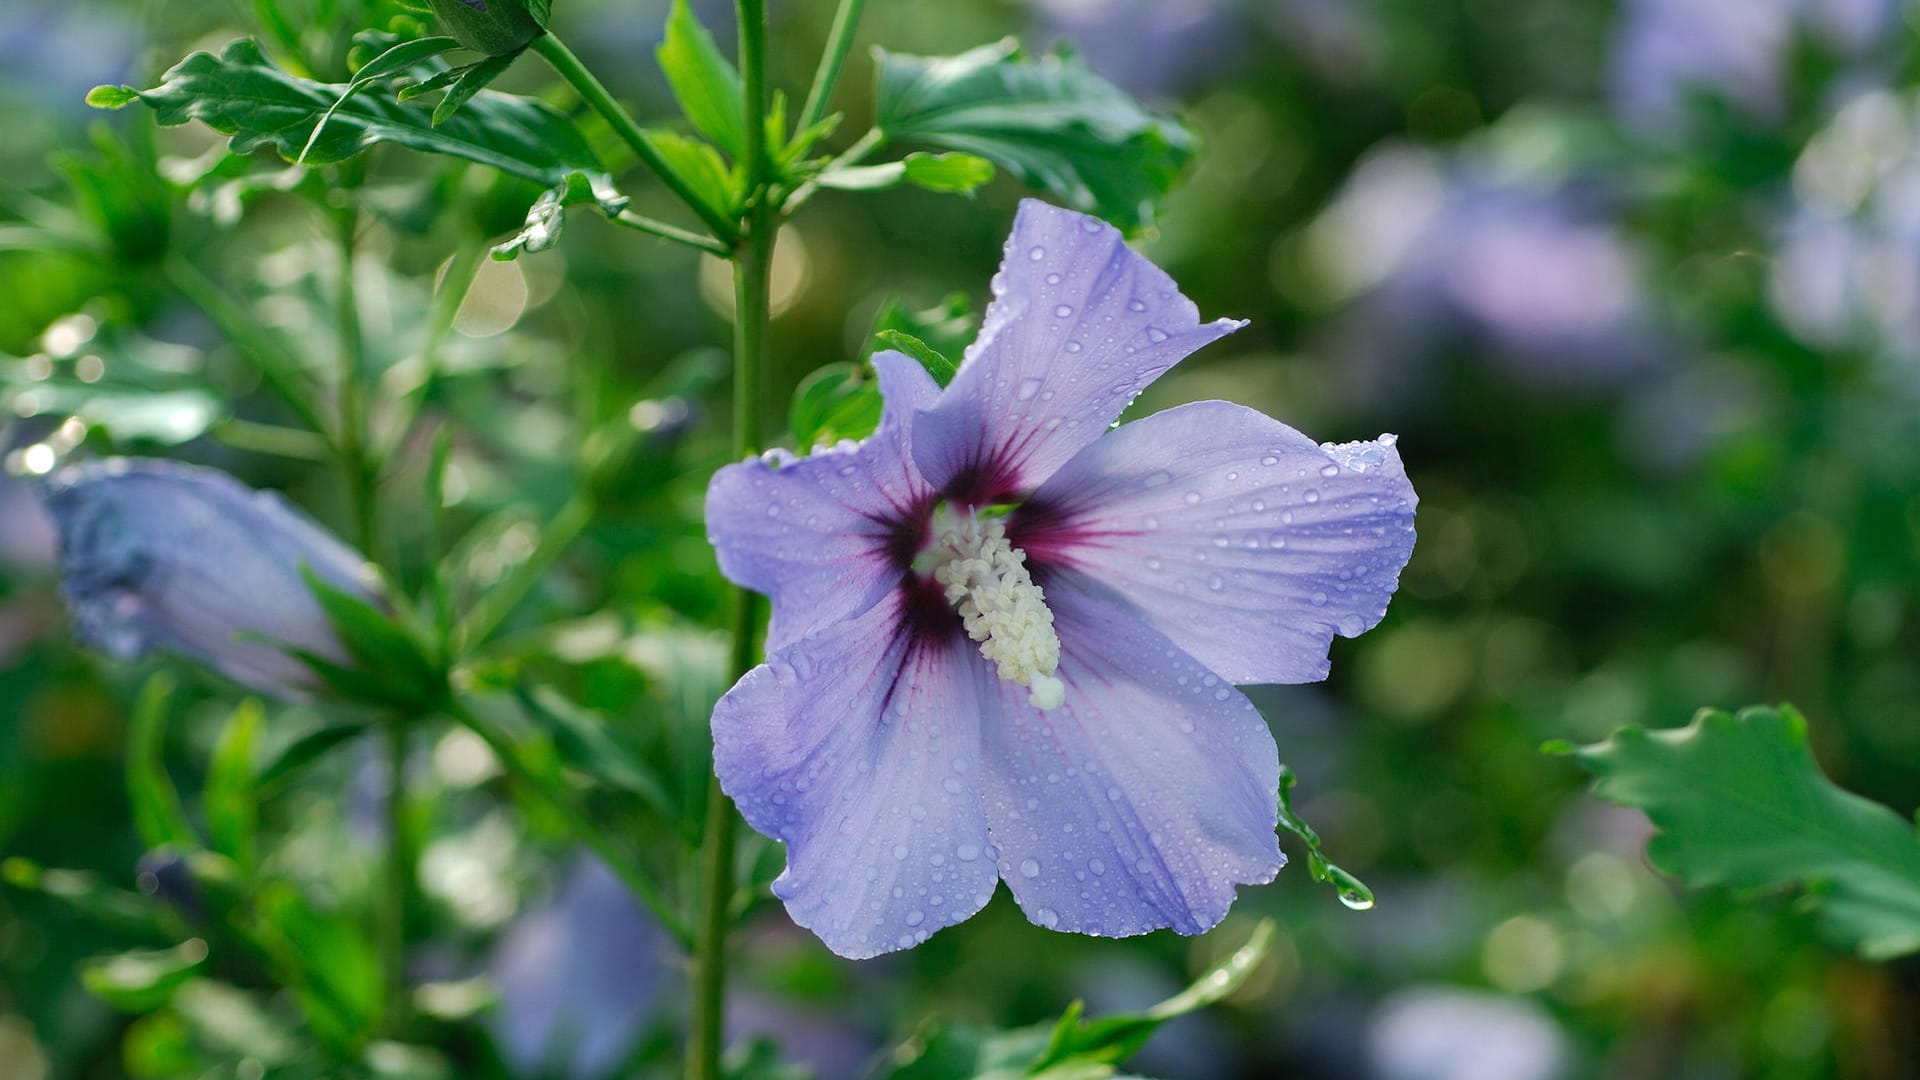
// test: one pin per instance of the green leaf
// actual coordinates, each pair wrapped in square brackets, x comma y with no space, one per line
[1072,1048]
[702,79]
[947,173]
[548,214]
[395,664]
[157,811]
[230,801]
[469,81]
[1740,802]
[947,327]
[1353,892]
[583,742]
[702,167]
[935,361]
[392,62]
[145,979]
[242,94]
[834,402]
[1051,122]
[306,750]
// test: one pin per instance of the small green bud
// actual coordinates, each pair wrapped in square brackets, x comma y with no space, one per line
[494,27]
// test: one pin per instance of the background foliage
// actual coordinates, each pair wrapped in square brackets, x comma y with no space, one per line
[1637,284]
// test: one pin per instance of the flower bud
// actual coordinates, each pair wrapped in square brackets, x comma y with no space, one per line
[494,27]
[155,554]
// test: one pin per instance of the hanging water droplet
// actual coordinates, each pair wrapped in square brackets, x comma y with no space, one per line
[1358,897]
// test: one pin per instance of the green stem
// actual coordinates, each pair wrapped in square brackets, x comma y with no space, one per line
[274,360]
[352,437]
[846,19]
[399,899]
[555,539]
[596,95]
[873,140]
[752,274]
[576,821]
[668,232]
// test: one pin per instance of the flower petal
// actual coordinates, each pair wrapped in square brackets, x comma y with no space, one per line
[823,535]
[1241,539]
[1144,799]
[859,748]
[1079,325]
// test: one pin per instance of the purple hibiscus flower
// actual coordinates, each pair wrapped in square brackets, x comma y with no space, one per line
[1004,638]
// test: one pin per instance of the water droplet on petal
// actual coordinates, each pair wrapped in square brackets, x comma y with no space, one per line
[1047,917]
[1037,253]
[1063,311]
[1030,868]
[1028,388]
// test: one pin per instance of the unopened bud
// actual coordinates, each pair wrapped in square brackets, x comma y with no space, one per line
[494,27]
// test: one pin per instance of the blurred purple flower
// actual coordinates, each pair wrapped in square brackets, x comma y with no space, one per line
[1004,639]
[577,978]
[155,554]
[1529,271]
[1148,47]
[1666,51]
[1451,1033]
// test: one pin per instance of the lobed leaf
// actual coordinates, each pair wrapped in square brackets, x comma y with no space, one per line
[1051,122]
[244,95]
[1740,802]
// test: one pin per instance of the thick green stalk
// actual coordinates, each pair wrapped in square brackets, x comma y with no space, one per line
[846,19]
[596,95]
[752,274]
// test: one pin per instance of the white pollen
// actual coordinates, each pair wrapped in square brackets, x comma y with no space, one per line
[986,580]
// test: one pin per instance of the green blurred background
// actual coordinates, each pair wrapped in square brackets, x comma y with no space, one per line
[1637,284]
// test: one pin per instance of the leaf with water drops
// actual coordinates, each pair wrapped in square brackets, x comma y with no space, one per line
[1353,892]
[1740,802]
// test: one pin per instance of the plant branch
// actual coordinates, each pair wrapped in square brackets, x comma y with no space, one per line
[846,19]
[597,96]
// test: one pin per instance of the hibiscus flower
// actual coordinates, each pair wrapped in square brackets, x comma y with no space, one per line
[1005,639]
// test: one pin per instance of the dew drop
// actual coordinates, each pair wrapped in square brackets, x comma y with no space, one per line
[1329,471]
[900,851]
[967,852]
[952,785]
[1030,868]
[1155,480]
[1053,279]
[1357,899]
[1319,599]
[1192,497]
[1037,253]
[1073,346]
[916,917]
[1047,917]
[1062,311]
[1214,583]
[1156,335]
[1028,388]
[1136,305]
[1311,495]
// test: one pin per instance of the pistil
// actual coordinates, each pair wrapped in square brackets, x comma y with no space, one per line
[986,580]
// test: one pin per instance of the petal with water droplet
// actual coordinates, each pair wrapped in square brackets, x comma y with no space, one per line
[1253,576]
